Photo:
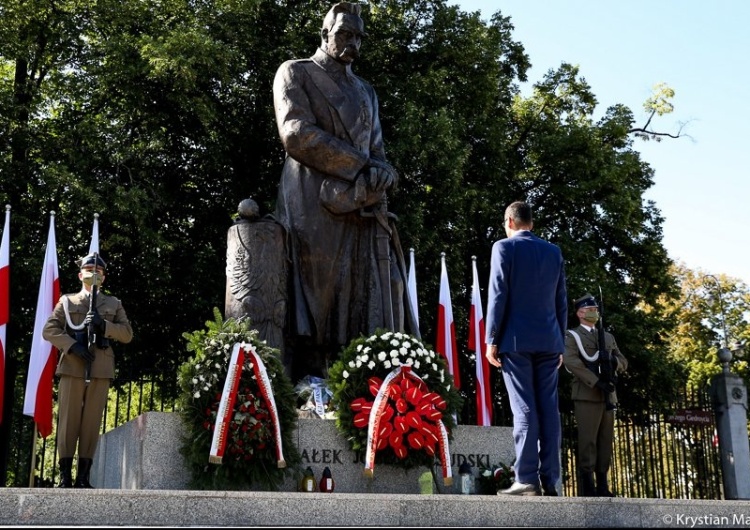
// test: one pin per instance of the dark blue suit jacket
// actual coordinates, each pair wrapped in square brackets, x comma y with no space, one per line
[527,302]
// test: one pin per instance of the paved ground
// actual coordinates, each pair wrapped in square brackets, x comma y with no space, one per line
[55,507]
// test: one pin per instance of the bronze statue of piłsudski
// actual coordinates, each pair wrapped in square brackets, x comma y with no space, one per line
[347,272]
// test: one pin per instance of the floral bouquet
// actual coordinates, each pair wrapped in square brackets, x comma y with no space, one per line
[392,382]
[249,457]
[495,478]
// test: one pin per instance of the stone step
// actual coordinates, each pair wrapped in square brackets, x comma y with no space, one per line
[181,508]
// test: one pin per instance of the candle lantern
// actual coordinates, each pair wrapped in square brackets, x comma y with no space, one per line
[466,478]
[307,483]
[326,481]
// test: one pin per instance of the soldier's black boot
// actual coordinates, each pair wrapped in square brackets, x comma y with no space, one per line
[66,473]
[602,487]
[587,488]
[82,477]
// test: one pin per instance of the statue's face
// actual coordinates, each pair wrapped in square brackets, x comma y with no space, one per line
[345,38]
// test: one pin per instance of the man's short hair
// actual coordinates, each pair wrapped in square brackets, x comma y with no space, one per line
[520,212]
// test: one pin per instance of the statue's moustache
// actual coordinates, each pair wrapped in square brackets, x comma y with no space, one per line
[351,52]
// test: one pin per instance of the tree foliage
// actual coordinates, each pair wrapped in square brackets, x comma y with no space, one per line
[711,312]
[158,115]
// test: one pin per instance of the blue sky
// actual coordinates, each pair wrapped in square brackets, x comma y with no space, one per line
[702,50]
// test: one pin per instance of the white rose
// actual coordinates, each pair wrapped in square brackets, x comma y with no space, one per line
[387,364]
[197,395]
[407,344]
[381,356]
[396,362]
[394,354]
[195,380]
[416,364]
[371,365]
[394,342]
[367,349]
[345,374]
[403,351]
[351,364]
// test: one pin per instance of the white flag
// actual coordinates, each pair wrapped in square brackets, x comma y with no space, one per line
[94,247]
[412,288]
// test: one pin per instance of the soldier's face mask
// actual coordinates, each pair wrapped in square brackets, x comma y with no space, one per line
[87,277]
[591,316]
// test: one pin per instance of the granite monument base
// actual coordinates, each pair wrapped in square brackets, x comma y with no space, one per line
[145,454]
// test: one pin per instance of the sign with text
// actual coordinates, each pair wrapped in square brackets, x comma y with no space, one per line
[691,417]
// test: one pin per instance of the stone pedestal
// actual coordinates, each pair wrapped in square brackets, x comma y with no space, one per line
[145,454]
[729,396]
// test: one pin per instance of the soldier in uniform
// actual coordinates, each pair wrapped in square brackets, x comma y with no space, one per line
[595,419]
[81,403]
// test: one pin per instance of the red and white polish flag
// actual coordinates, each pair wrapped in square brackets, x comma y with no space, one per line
[40,379]
[446,332]
[4,301]
[477,345]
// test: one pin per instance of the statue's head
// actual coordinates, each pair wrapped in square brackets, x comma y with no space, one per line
[342,32]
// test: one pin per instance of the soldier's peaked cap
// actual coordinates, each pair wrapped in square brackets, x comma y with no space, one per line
[90,260]
[586,300]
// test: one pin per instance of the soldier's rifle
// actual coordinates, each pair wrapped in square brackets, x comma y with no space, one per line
[606,370]
[92,338]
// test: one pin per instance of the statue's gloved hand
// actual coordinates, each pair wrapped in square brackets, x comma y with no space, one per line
[380,175]
[79,350]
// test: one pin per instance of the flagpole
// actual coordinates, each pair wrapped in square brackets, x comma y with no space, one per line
[33,458]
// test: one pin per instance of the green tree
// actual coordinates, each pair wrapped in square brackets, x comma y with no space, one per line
[712,312]
[159,116]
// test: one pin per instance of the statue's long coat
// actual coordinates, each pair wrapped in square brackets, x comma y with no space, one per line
[328,122]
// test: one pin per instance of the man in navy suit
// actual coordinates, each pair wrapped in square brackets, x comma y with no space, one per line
[526,321]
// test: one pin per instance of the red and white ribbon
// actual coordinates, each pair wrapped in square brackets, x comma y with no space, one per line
[261,375]
[226,405]
[376,414]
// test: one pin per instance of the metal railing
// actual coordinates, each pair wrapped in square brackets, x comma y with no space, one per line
[654,455]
